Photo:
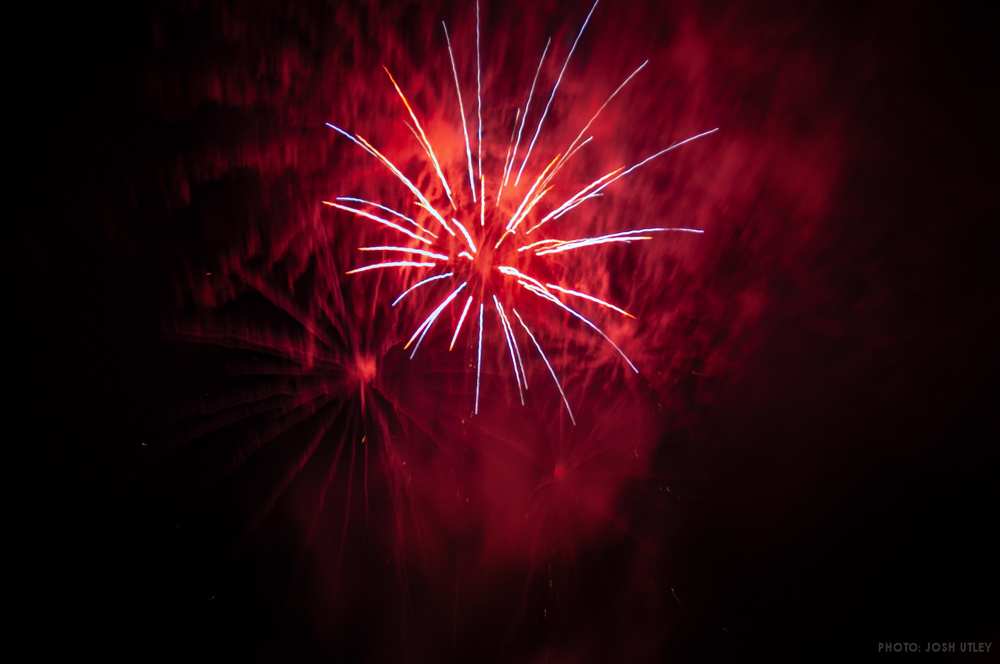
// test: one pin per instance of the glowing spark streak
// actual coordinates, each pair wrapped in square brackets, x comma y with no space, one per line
[564,160]
[604,105]
[545,294]
[379,266]
[502,238]
[479,358]
[517,348]
[461,320]
[553,94]
[416,192]
[531,205]
[365,145]
[465,254]
[538,244]
[419,284]
[546,360]
[517,216]
[422,138]
[479,103]
[572,199]
[461,109]
[527,107]
[387,209]
[429,321]
[649,159]
[593,299]
[384,222]
[510,346]
[624,236]
[468,238]
[407,250]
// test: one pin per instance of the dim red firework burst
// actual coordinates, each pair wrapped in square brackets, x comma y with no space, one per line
[483,249]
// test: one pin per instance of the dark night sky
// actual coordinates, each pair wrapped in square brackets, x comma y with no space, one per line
[841,491]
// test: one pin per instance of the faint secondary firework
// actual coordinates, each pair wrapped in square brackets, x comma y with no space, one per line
[485,245]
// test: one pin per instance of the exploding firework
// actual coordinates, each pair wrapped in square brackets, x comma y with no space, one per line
[487,246]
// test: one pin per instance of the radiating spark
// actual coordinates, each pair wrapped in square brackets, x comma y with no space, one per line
[517,216]
[623,236]
[429,321]
[552,372]
[555,87]
[465,254]
[419,284]
[465,233]
[461,110]
[479,103]
[387,209]
[461,320]
[510,346]
[527,107]
[479,358]
[569,201]
[422,138]
[407,250]
[539,243]
[593,299]
[482,200]
[545,294]
[377,219]
[380,266]
[365,145]
[602,107]
[648,159]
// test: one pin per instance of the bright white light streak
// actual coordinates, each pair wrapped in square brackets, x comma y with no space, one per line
[545,294]
[465,233]
[527,107]
[595,300]
[570,202]
[517,216]
[510,346]
[407,250]
[603,106]
[368,147]
[419,284]
[429,321]
[553,94]
[377,219]
[402,216]
[458,328]
[552,372]
[479,358]
[381,266]
[517,348]
[479,102]
[623,236]
[461,110]
[651,158]
[422,137]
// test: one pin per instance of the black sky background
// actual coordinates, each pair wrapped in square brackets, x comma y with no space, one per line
[857,507]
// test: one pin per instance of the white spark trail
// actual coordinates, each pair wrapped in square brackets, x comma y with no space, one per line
[527,107]
[461,320]
[461,109]
[553,94]
[552,372]
[419,284]
[377,219]
[429,321]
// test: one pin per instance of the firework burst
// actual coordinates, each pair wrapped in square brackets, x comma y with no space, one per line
[484,248]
